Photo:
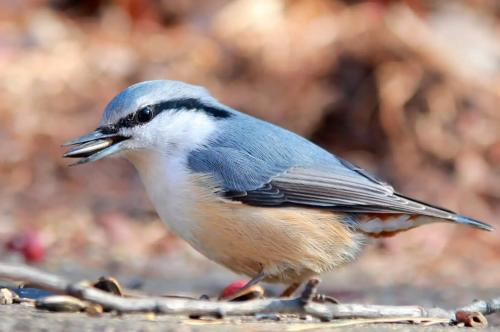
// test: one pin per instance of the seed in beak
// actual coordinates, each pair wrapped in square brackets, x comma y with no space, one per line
[88,148]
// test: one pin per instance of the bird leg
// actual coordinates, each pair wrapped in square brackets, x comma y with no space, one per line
[255,280]
[290,290]
[320,298]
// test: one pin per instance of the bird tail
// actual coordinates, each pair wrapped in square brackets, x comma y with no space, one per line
[444,215]
[473,223]
[387,225]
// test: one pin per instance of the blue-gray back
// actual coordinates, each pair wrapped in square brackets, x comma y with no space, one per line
[247,153]
[258,163]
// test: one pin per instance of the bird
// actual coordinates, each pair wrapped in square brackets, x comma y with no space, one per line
[247,194]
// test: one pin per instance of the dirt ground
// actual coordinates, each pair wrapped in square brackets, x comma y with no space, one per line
[21,318]
[28,319]
[406,89]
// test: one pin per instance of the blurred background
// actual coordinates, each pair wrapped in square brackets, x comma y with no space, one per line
[409,90]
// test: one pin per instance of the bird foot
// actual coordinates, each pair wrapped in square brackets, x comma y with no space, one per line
[321,298]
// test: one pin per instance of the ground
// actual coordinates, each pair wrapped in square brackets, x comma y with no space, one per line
[21,318]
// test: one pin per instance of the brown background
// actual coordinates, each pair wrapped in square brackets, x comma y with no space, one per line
[407,89]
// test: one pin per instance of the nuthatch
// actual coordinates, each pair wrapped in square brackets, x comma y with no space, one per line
[249,195]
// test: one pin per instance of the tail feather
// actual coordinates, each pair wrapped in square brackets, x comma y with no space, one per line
[473,223]
[448,215]
[385,225]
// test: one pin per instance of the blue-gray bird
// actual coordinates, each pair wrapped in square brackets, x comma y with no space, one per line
[249,195]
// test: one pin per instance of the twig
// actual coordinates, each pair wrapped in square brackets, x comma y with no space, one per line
[300,305]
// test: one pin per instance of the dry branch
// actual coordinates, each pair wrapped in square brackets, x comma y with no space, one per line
[471,315]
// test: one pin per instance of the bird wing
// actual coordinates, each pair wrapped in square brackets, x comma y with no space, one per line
[336,186]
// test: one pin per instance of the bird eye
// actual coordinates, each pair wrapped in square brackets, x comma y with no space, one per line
[144,115]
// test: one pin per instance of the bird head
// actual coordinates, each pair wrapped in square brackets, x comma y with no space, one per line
[166,117]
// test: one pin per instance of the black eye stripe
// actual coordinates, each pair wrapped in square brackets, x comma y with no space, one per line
[111,129]
[176,104]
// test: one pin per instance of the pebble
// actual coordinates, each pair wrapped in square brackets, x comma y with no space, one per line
[60,303]
[6,296]
[274,317]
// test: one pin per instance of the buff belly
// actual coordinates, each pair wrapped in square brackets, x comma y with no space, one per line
[289,244]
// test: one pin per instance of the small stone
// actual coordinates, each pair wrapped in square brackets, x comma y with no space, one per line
[274,317]
[94,310]
[307,318]
[27,303]
[60,303]
[24,301]
[6,296]
[108,284]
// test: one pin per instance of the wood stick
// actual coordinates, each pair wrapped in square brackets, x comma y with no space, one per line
[472,314]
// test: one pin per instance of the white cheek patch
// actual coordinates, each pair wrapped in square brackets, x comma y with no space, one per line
[172,131]
[187,129]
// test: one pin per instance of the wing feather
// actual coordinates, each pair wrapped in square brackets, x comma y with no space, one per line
[258,163]
[317,188]
[332,183]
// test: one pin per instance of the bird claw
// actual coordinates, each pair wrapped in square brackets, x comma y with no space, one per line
[321,298]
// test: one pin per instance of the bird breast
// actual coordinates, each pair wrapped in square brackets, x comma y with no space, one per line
[290,244]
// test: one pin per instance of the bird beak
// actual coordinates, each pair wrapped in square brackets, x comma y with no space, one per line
[94,146]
